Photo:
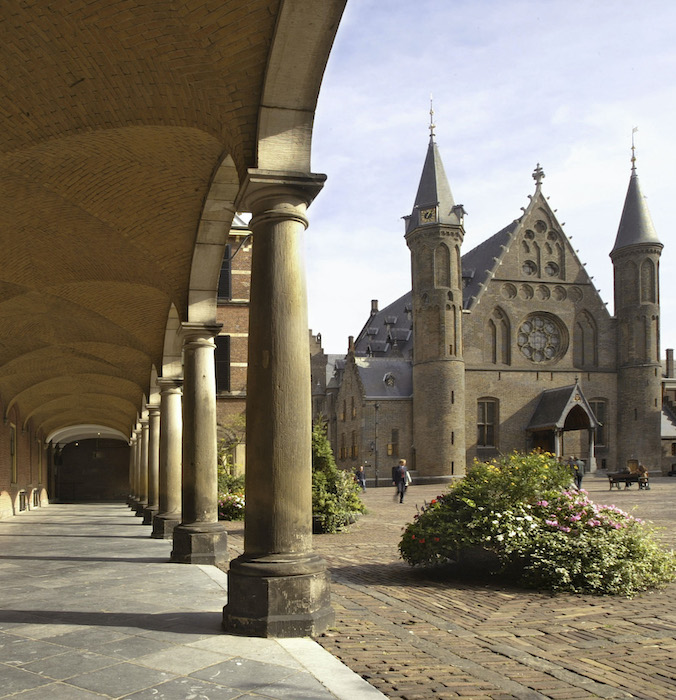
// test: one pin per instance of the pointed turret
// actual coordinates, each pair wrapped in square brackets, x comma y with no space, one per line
[636,259]
[434,235]
[636,226]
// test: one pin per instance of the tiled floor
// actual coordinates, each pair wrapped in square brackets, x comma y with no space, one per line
[90,607]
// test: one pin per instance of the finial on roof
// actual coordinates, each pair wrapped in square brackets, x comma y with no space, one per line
[633,152]
[433,126]
[538,175]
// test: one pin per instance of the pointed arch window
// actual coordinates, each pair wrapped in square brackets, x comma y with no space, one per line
[585,341]
[442,266]
[497,342]
[648,281]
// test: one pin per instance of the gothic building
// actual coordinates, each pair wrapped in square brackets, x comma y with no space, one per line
[508,346]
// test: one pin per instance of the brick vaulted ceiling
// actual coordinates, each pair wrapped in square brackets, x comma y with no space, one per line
[114,117]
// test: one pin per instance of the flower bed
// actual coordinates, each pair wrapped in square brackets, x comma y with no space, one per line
[546,534]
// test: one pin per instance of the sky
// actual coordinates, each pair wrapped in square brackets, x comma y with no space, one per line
[514,83]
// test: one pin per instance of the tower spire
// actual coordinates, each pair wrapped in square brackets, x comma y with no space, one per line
[432,126]
[633,152]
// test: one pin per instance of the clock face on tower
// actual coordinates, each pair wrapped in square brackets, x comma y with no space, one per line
[428,216]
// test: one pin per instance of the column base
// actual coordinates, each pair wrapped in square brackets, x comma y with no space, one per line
[139,507]
[278,596]
[200,543]
[148,514]
[164,524]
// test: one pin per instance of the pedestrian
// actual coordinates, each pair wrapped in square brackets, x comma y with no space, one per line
[578,466]
[400,479]
[360,477]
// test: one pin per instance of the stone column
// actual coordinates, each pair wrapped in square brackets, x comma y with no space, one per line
[138,439]
[200,538]
[278,587]
[152,508]
[171,444]
[143,469]
[131,500]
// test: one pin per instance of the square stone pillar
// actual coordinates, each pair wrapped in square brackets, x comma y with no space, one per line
[200,538]
[278,587]
[171,443]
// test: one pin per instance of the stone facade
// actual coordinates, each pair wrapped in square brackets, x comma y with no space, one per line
[509,347]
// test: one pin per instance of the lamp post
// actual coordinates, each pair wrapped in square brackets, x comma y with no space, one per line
[376,406]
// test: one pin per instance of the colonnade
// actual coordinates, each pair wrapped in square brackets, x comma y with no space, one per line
[278,586]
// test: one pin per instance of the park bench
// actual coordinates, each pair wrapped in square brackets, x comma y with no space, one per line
[627,478]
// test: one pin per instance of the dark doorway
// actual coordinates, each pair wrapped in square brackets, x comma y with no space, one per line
[92,470]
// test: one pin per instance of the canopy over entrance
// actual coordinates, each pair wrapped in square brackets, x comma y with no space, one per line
[559,411]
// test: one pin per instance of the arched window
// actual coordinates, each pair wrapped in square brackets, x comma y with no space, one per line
[442,266]
[648,281]
[497,341]
[585,341]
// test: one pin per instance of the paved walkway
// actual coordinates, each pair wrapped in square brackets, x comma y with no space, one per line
[90,608]
[417,637]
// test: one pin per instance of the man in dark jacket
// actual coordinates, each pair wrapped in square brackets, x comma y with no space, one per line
[399,479]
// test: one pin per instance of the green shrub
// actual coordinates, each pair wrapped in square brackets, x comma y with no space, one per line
[230,490]
[547,535]
[335,495]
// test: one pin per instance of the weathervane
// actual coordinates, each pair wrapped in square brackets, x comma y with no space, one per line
[633,153]
[432,124]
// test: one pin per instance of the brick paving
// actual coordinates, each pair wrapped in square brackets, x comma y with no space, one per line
[415,635]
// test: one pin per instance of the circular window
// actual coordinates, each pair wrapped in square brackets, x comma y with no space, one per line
[529,268]
[529,235]
[541,338]
[540,226]
[552,269]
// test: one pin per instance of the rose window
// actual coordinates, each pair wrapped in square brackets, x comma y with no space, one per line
[540,338]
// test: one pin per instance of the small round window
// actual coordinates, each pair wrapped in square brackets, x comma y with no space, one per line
[529,268]
[552,269]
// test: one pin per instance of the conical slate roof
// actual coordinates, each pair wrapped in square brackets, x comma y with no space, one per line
[636,226]
[433,191]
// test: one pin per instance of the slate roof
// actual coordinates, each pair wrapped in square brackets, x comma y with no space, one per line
[636,226]
[478,263]
[385,377]
[668,424]
[389,330]
[554,406]
[434,191]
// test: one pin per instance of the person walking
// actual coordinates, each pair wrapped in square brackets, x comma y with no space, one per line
[577,466]
[360,477]
[400,479]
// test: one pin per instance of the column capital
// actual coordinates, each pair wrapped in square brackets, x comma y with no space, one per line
[170,385]
[194,332]
[153,409]
[281,194]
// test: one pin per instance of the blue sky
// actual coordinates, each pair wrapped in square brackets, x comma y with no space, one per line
[515,83]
